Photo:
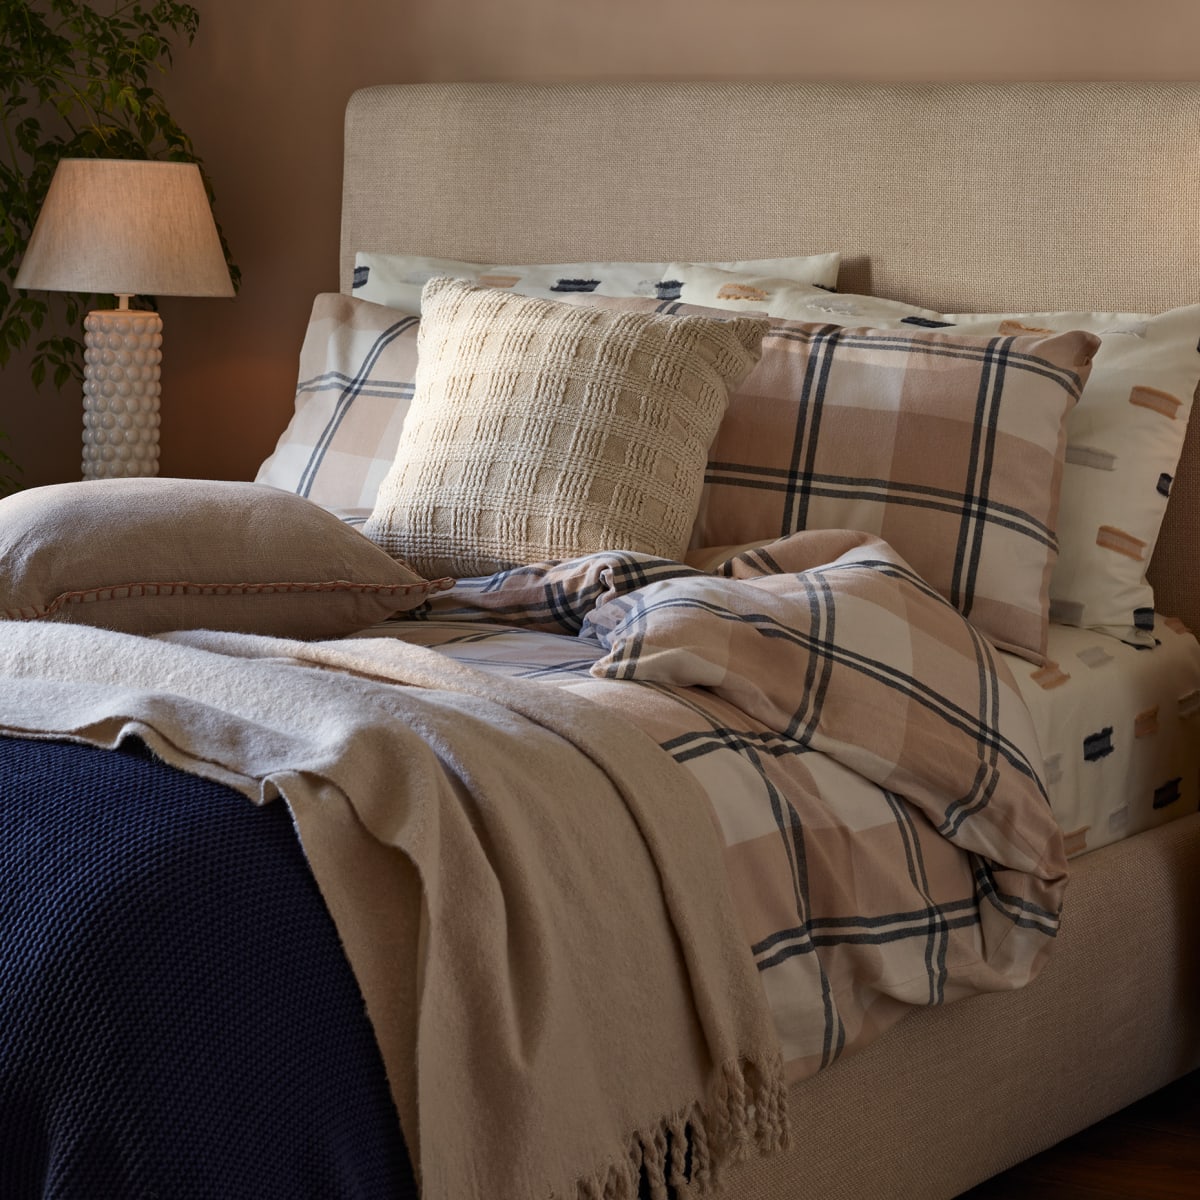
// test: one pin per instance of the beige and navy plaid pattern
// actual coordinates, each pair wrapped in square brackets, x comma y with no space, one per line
[358,361]
[1124,438]
[357,367]
[541,430]
[949,447]
[871,767]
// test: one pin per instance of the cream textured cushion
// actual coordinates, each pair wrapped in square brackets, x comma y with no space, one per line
[151,555]
[1124,438]
[396,279]
[544,431]
[358,366]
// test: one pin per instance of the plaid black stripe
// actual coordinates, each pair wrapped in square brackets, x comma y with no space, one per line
[349,392]
[557,597]
[624,632]
[947,445]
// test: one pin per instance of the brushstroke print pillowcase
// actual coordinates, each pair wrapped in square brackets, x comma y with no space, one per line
[396,279]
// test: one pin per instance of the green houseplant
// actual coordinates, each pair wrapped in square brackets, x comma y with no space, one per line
[76,81]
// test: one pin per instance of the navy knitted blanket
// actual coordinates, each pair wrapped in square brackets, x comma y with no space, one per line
[177,1018]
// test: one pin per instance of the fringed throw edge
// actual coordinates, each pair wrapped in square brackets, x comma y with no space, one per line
[744,1112]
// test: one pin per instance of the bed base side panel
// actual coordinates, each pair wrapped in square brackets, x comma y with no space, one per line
[952,1096]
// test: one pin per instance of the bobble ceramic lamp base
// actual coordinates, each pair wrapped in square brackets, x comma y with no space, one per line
[121,393]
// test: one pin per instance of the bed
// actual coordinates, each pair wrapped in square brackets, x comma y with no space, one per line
[971,198]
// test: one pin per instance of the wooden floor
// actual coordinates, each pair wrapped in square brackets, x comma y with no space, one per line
[1149,1151]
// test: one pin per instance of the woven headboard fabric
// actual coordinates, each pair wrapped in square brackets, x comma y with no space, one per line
[960,196]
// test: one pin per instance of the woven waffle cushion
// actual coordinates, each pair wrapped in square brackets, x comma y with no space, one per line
[545,431]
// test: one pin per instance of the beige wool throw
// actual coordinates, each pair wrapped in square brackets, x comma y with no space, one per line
[525,885]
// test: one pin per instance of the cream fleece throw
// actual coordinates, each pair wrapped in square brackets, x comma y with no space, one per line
[525,885]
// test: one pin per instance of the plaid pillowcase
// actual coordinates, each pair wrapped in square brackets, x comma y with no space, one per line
[357,367]
[950,447]
[1124,438]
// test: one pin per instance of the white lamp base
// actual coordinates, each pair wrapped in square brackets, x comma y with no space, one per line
[121,393]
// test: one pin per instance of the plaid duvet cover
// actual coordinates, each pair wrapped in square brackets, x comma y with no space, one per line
[869,763]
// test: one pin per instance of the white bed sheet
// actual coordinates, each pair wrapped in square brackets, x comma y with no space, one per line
[1119,728]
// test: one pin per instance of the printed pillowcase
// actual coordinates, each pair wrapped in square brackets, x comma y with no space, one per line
[396,279]
[1124,438]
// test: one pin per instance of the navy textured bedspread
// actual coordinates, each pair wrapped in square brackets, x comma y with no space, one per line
[177,1018]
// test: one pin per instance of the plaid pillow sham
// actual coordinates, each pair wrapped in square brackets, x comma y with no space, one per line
[358,364]
[950,447]
[357,367]
[359,359]
[1124,438]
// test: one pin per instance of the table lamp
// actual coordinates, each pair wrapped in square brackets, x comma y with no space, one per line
[126,228]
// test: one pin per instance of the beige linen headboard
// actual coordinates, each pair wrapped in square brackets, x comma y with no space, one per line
[964,197]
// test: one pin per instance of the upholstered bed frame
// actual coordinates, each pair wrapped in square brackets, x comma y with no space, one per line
[964,197]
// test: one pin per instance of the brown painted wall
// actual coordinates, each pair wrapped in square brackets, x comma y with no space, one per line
[263,89]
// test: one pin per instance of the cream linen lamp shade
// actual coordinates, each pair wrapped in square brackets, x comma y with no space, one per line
[125,227]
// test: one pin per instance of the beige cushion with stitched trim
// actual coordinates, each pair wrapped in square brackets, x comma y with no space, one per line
[151,555]
[544,431]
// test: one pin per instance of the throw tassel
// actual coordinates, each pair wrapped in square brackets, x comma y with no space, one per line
[654,1160]
[677,1128]
[771,1125]
[746,1110]
[732,1119]
[704,1169]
